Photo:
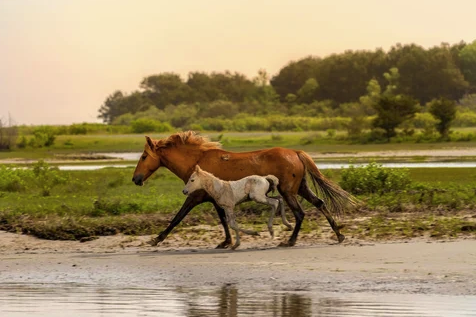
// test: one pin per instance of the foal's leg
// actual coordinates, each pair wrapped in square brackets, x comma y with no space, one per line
[307,193]
[296,208]
[270,201]
[230,216]
[283,214]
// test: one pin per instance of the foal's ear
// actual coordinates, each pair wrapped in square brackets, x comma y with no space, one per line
[197,168]
[149,142]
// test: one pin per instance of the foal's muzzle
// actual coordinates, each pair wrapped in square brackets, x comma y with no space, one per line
[138,179]
[185,192]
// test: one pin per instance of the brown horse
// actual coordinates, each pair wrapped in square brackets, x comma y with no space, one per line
[180,152]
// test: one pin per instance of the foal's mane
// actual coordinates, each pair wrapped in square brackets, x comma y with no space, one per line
[188,138]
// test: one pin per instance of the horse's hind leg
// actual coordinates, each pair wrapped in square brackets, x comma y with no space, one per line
[307,194]
[296,208]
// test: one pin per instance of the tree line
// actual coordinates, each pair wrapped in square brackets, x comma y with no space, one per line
[391,86]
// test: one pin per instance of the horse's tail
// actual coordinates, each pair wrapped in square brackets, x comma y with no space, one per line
[273,182]
[335,197]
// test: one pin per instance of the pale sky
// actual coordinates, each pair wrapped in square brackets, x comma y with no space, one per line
[60,59]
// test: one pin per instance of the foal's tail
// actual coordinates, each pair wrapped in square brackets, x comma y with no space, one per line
[273,182]
[335,197]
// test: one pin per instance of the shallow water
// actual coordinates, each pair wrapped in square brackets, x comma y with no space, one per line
[227,300]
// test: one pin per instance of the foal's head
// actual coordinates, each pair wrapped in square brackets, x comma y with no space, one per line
[194,182]
[148,163]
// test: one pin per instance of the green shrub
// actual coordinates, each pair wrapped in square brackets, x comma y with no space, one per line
[148,125]
[374,178]
[43,136]
[78,129]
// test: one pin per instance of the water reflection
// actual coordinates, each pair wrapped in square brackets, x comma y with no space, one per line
[228,300]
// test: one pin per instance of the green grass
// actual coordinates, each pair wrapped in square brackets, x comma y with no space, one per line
[233,141]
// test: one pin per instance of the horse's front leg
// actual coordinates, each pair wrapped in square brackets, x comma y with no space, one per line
[222,215]
[192,200]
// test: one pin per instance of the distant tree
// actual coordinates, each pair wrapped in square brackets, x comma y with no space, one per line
[468,102]
[119,103]
[219,108]
[166,89]
[427,74]
[292,76]
[264,93]
[467,57]
[307,93]
[392,110]
[444,111]
[8,134]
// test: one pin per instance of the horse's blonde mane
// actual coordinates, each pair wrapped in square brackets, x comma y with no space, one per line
[188,138]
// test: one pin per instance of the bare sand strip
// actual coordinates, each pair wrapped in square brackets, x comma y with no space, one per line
[422,267]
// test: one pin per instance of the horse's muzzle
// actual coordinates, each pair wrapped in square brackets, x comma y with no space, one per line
[138,179]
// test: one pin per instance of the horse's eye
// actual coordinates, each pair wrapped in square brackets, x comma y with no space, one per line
[144,157]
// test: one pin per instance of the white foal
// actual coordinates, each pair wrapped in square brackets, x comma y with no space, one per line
[227,194]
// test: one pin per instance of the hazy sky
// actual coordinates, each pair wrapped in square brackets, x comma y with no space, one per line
[60,59]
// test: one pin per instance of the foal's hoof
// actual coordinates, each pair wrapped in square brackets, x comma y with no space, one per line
[235,246]
[223,245]
[340,238]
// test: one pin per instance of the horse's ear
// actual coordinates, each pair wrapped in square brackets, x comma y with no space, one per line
[149,142]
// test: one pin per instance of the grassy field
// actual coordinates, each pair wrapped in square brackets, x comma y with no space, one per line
[233,141]
[54,204]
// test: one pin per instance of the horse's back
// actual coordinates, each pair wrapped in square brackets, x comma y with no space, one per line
[280,162]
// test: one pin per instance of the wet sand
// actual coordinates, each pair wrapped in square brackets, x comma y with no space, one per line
[419,266]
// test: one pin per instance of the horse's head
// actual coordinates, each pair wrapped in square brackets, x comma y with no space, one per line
[148,163]
[194,182]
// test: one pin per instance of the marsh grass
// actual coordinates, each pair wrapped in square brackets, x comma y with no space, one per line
[82,204]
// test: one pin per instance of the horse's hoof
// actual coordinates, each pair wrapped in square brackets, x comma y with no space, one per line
[341,238]
[285,244]
[153,242]
[223,245]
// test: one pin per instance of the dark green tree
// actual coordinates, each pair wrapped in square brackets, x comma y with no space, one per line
[392,110]
[293,76]
[443,110]
[467,57]
[166,89]
[119,103]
